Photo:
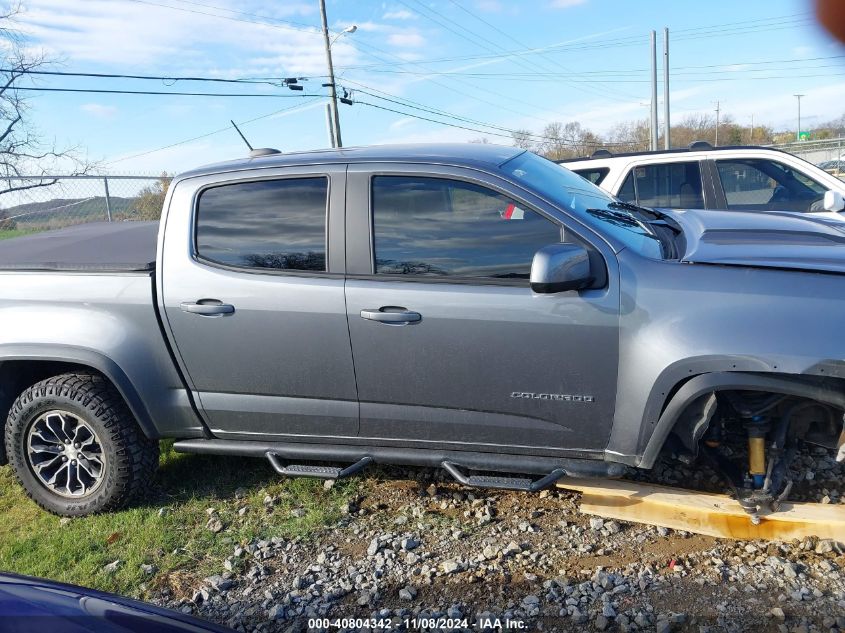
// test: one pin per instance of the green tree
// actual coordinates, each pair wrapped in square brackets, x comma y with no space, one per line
[148,204]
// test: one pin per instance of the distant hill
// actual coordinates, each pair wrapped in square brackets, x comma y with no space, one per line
[60,212]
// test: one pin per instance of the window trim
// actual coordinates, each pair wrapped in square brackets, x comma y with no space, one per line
[199,259]
[444,279]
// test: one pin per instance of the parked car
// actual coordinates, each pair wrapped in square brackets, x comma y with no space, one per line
[835,167]
[735,178]
[470,307]
[35,604]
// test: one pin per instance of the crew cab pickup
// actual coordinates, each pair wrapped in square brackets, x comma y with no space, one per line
[471,307]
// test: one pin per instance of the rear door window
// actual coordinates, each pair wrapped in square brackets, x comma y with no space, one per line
[670,185]
[759,184]
[268,224]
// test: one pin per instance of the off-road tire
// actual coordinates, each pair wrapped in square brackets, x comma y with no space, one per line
[130,456]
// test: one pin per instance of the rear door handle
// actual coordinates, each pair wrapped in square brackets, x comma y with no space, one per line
[208,307]
[391,315]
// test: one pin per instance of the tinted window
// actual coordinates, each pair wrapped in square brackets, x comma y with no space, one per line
[595,175]
[672,185]
[627,192]
[279,224]
[432,226]
[758,184]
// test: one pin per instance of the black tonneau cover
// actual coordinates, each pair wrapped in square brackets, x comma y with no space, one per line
[94,247]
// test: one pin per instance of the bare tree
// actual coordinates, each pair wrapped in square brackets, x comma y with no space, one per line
[22,151]
[523,139]
[630,136]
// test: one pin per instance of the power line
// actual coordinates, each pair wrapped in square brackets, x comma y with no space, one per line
[356,46]
[691,33]
[612,76]
[277,82]
[430,110]
[485,41]
[207,134]
[416,116]
[226,17]
[165,92]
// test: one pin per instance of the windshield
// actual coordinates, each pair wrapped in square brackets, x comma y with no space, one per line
[584,200]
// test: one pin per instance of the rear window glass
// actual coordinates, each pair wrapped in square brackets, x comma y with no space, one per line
[276,224]
[594,175]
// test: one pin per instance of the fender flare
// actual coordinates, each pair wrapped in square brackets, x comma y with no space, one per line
[94,360]
[802,386]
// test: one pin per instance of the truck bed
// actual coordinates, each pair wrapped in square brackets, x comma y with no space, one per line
[94,247]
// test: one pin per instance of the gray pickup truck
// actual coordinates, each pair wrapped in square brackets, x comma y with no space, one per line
[470,307]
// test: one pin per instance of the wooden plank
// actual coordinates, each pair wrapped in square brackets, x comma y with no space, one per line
[703,513]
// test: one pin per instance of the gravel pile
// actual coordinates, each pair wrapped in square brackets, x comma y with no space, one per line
[416,552]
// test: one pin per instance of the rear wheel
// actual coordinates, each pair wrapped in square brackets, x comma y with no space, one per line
[76,447]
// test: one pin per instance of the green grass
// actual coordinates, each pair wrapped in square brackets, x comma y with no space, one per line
[5,235]
[36,543]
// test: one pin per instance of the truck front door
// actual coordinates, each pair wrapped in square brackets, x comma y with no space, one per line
[452,349]
[253,296]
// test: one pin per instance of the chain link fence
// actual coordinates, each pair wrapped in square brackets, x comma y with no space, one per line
[829,154]
[42,203]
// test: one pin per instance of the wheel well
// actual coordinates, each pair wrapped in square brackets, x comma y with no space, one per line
[810,419]
[692,404]
[17,375]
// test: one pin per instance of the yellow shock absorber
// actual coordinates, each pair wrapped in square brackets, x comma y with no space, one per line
[757,458]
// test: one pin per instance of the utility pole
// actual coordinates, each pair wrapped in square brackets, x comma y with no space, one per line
[717,124]
[798,131]
[666,125]
[332,87]
[330,125]
[751,138]
[653,90]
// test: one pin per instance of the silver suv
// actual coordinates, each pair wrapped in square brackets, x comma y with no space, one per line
[748,178]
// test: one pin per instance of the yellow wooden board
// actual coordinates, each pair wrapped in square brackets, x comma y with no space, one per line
[704,513]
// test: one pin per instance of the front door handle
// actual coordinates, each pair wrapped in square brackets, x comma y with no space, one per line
[391,315]
[208,307]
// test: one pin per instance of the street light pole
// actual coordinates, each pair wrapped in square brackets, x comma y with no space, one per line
[332,87]
[798,131]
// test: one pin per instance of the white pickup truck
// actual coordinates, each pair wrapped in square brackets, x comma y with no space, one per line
[749,178]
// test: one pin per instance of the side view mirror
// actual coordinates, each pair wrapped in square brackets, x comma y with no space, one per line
[560,267]
[833,201]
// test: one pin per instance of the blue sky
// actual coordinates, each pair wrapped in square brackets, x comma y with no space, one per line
[506,64]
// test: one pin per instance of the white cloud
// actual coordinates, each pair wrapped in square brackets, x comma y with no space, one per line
[490,6]
[565,4]
[409,39]
[116,32]
[400,123]
[400,14]
[99,110]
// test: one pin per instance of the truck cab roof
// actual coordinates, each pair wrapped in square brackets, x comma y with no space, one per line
[477,155]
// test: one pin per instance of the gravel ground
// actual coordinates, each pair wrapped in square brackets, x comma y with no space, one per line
[414,549]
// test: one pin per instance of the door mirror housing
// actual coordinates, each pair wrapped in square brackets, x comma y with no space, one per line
[560,267]
[833,201]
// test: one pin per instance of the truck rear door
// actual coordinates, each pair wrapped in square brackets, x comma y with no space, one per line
[252,289]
